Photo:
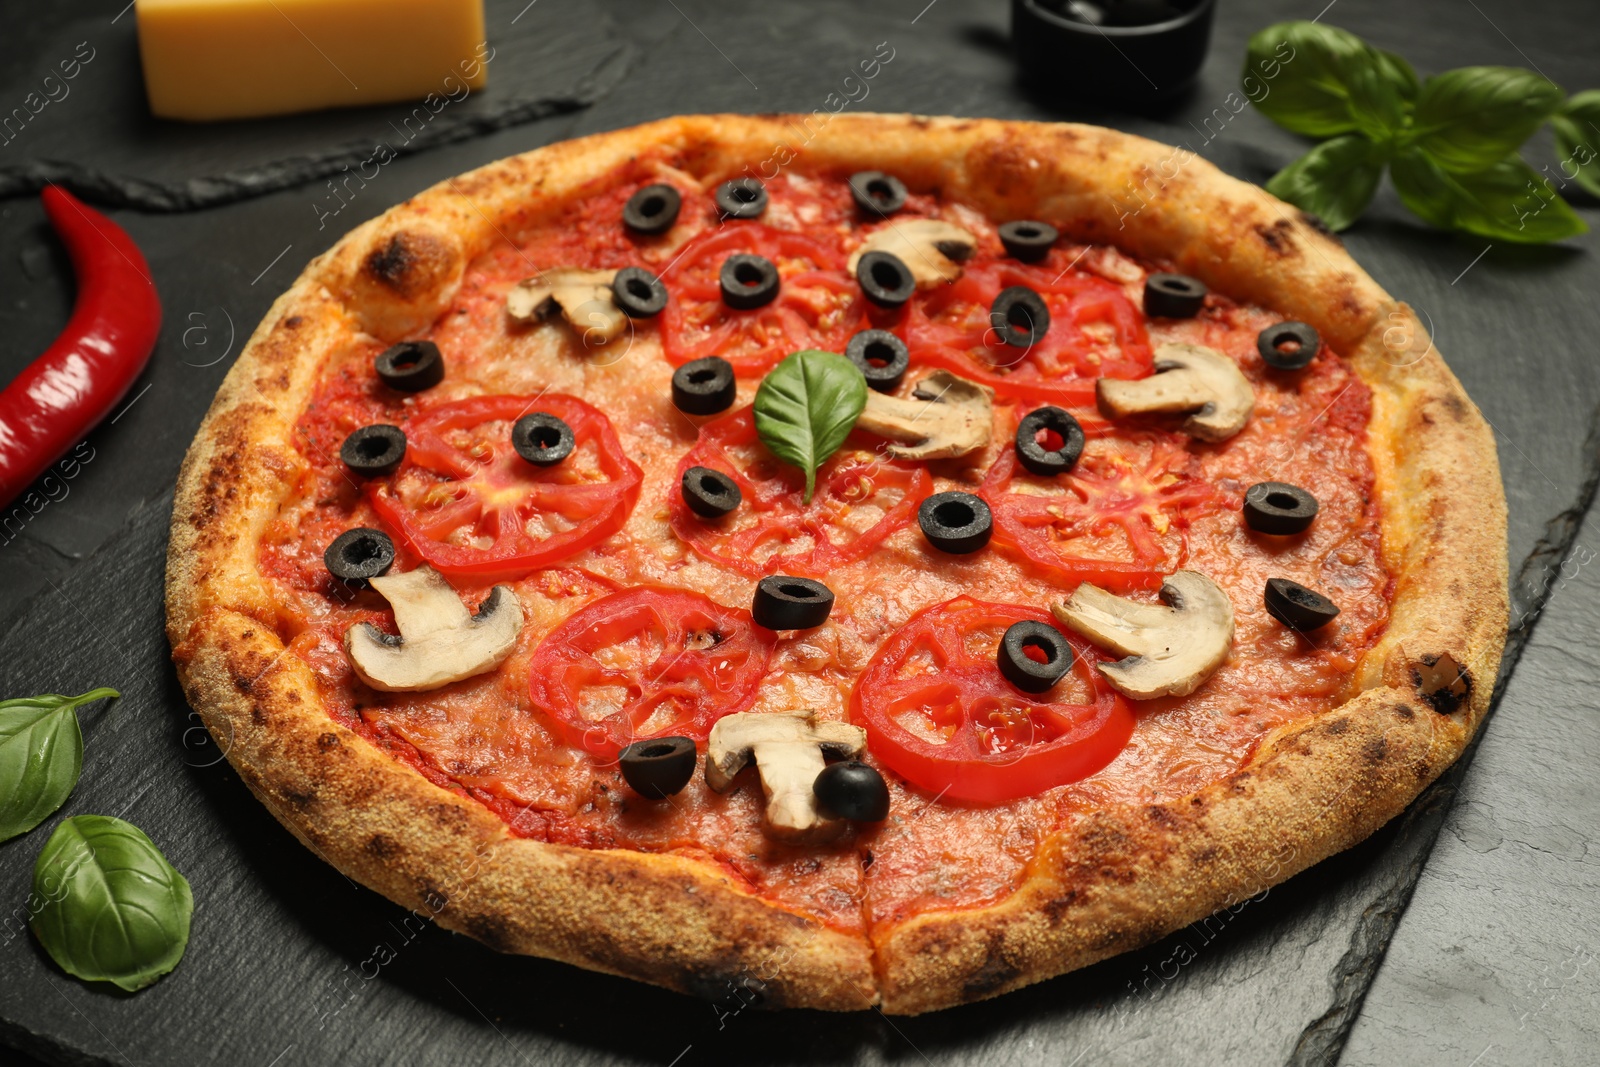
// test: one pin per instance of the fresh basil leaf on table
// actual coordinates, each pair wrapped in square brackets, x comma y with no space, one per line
[1311,93]
[41,756]
[113,909]
[1335,180]
[1470,119]
[1500,203]
[806,406]
[1578,139]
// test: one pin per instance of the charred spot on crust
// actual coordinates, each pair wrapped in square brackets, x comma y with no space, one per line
[382,846]
[1455,406]
[1277,236]
[1442,682]
[298,800]
[1056,907]
[293,322]
[391,263]
[1163,818]
[993,976]
[1208,854]
[408,264]
[328,741]
[1375,750]
[1315,222]
[1403,711]
[1336,727]
[243,683]
[492,931]
[721,985]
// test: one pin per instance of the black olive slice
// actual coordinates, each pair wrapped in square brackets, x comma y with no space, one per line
[1278,508]
[710,493]
[885,279]
[638,293]
[881,356]
[704,386]
[1289,345]
[658,768]
[1019,316]
[1173,296]
[1028,240]
[1047,457]
[742,198]
[785,603]
[1024,671]
[374,450]
[1297,607]
[410,366]
[748,281]
[956,522]
[877,193]
[652,210]
[542,439]
[359,554]
[852,790]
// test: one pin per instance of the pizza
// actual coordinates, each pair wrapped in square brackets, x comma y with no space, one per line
[884,564]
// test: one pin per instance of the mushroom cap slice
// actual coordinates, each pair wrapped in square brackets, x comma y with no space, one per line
[931,249]
[1189,378]
[1168,650]
[949,417]
[788,747]
[583,297]
[440,641]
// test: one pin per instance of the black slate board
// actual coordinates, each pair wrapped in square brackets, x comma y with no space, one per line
[267,974]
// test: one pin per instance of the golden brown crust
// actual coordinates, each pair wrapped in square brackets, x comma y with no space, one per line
[1112,880]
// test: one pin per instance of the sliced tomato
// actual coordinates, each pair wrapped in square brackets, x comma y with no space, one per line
[1095,332]
[647,662]
[939,713]
[818,304]
[466,503]
[1119,519]
[860,499]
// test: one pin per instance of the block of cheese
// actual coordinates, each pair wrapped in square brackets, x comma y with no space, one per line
[226,59]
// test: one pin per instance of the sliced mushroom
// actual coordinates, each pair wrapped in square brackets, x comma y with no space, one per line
[440,641]
[1188,378]
[949,417]
[788,747]
[583,297]
[1169,650]
[932,250]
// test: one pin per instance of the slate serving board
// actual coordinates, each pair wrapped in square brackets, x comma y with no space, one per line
[278,970]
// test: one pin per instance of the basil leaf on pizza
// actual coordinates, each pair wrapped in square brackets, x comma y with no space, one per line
[1335,180]
[114,910]
[807,406]
[41,756]
[1508,202]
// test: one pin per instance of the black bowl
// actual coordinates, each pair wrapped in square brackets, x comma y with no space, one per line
[1065,58]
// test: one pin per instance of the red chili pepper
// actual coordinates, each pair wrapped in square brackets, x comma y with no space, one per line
[87,371]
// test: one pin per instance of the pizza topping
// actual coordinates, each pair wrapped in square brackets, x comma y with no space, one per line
[742,198]
[704,386]
[1189,379]
[1034,656]
[357,556]
[439,641]
[1173,296]
[1028,240]
[542,439]
[1278,508]
[1019,317]
[877,193]
[658,768]
[748,281]
[949,416]
[410,366]
[1049,441]
[852,790]
[783,602]
[881,357]
[638,293]
[1289,345]
[584,298]
[788,748]
[374,450]
[959,523]
[652,210]
[1168,651]
[709,494]
[884,279]
[932,250]
[1297,607]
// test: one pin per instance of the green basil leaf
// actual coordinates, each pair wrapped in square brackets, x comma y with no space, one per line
[41,756]
[807,406]
[1399,73]
[1334,181]
[1578,140]
[1507,202]
[110,906]
[1318,70]
[1470,119]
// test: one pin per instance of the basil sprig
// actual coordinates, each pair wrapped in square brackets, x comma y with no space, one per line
[806,406]
[111,908]
[41,756]
[1450,142]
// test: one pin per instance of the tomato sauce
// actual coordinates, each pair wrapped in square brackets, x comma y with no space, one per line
[1144,501]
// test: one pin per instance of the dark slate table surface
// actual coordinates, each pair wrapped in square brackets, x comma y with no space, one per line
[1463,933]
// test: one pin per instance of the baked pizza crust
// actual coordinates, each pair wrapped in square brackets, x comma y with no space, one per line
[1113,880]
